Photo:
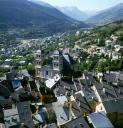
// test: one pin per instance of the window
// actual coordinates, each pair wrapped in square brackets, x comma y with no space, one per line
[56,65]
[38,63]
[38,71]
[47,73]
[56,58]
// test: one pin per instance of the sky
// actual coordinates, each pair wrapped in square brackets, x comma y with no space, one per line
[85,5]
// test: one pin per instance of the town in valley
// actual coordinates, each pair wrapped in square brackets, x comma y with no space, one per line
[62,79]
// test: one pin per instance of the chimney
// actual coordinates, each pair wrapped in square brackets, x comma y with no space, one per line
[70,109]
[103,90]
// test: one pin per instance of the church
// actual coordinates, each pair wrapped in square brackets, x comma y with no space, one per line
[52,65]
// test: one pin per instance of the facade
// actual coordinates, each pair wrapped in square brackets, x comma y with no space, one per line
[52,66]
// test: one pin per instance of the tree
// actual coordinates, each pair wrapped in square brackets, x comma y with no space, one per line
[31,69]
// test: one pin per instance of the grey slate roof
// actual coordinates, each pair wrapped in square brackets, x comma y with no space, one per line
[11,117]
[109,92]
[53,125]
[100,120]
[60,110]
[114,105]
[77,123]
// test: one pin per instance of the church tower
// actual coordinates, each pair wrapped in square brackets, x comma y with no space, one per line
[57,61]
[38,60]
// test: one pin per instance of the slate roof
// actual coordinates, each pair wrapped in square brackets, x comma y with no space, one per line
[110,77]
[80,105]
[100,120]
[109,92]
[8,84]
[88,79]
[77,123]
[65,86]
[11,117]
[25,113]
[4,91]
[78,85]
[106,91]
[115,105]
[6,103]
[76,109]
[60,110]
[53,125]
[82,102]
[24,73]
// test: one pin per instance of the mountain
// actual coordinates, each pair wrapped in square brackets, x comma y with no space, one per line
[41,3]
[35,17]
[73,12]
[91,13]
[107,16]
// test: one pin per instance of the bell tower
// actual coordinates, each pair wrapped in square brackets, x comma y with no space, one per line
[57,61]
[38,60]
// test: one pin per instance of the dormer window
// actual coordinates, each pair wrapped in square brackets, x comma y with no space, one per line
[81,125]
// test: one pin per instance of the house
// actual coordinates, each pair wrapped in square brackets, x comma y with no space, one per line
[25,114]
[99,120]
[118,48]
[79,122]
[8,62]
[81,103]
[4,91]
[11,75]
[114,37]
[115,56]
[50,83]
[16,84]
[5,103]
[65,86]
[61,111]
[11,118]
[110,98]
[37,119]
[108,43]
[22,62]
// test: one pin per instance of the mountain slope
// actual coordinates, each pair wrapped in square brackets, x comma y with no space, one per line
[107,16]
[26,14]
[73,12]
[41,3]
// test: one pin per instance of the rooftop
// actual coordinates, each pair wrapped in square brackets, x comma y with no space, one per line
[60,110]
[100,120]
[79,122]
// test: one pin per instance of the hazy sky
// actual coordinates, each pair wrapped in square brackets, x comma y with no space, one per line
[85,4]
